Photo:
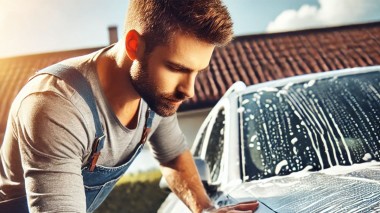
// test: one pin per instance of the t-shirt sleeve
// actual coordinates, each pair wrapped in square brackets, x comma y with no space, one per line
[53,140]
[168,141]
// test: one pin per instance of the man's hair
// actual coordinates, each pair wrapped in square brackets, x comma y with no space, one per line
[158,20]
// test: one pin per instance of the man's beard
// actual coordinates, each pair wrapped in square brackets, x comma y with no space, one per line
[161,103]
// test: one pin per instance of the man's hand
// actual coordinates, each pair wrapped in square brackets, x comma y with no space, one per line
[183,179]
[238,208]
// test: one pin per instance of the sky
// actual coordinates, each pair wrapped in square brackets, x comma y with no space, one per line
[37,26]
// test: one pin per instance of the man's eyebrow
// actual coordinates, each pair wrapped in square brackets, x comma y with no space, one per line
[179,66]
[183,67]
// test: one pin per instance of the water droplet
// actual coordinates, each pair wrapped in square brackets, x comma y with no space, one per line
[245,101]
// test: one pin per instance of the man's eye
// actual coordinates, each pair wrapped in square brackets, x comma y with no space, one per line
[175,69]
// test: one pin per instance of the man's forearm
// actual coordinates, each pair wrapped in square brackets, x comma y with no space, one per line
[183,179]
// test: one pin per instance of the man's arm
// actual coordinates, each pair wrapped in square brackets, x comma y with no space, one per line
[52,139]
[183,179]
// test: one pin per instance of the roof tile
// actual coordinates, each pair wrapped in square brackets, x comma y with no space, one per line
[251,59]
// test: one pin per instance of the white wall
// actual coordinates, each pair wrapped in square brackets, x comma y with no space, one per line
[191,121]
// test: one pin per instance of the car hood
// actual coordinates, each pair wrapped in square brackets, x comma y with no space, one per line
[352,188]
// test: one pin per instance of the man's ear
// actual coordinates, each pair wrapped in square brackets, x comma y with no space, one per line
[134,44]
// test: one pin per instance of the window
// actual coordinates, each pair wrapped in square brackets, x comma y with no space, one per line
[200,142]
[215,145]
[316,124]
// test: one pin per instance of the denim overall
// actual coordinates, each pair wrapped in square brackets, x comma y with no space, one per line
[98,180]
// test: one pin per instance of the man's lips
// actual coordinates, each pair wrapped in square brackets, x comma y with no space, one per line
[174,101]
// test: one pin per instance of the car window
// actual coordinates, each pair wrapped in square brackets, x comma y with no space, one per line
[199,144]
[312,125]
[215,144]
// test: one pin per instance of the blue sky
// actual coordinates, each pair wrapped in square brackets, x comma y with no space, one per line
[35,26]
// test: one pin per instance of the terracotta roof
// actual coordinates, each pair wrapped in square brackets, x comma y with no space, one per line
[251,59]
[259,58]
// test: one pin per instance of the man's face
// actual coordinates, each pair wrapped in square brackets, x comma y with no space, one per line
[166,77]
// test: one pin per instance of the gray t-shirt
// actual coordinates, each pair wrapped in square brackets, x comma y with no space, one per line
[49,138]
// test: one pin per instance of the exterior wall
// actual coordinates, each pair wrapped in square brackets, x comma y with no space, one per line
[191,121]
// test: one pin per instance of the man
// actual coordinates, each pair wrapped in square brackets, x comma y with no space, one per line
[50,156]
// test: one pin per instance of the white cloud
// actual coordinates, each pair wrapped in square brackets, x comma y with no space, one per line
[329,13]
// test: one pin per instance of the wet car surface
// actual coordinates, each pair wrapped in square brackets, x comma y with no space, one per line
[302,144]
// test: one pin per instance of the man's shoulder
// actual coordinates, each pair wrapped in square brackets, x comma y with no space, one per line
[46,98]
[43,87]
[45,83]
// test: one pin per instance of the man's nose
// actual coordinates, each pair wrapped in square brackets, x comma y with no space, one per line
[186,86]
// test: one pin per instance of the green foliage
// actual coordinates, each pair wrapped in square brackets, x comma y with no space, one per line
[135,193]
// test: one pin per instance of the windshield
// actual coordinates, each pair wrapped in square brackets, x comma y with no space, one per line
[311,125]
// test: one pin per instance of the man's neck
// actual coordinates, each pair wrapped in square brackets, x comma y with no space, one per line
[113,69]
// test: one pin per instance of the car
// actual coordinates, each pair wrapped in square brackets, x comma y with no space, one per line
[308,143]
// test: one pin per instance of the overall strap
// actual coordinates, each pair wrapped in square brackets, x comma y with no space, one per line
[77,81]
[148,125]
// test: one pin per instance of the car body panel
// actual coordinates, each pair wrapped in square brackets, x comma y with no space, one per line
[336,189]
[309,188]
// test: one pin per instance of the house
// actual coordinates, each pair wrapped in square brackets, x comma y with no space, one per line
[251,59]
